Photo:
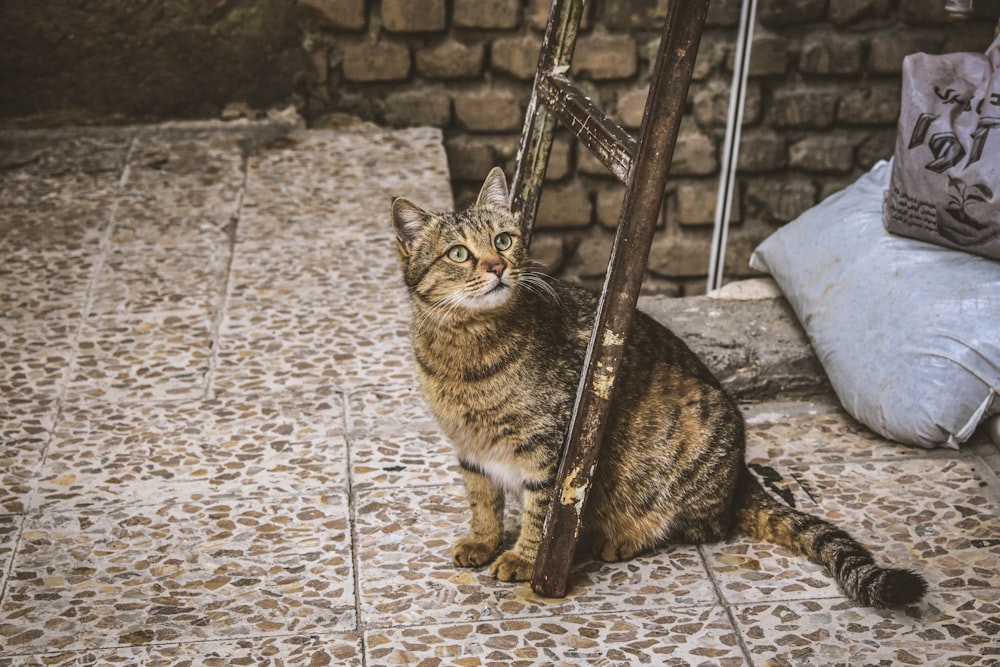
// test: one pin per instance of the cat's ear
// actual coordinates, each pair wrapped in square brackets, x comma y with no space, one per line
[494,192]
[409,221]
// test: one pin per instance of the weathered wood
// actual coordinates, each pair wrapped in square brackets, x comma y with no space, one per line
[539,123]
[612,145]
[616,307]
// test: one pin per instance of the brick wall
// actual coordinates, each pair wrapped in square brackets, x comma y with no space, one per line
[822,102]
[107,61]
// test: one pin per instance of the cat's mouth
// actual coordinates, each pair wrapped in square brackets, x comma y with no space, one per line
[494,296]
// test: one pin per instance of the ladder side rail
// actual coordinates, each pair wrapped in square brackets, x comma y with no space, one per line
[616,307]
[539,123]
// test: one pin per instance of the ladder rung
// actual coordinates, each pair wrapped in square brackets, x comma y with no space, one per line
[612,145]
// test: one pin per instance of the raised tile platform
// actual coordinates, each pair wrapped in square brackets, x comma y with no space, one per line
[213,452]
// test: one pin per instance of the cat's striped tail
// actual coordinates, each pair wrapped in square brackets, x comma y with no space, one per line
[761,517]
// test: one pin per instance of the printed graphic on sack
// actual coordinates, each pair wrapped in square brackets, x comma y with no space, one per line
[946,165]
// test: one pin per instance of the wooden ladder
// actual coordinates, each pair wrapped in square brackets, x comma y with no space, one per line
[643,166]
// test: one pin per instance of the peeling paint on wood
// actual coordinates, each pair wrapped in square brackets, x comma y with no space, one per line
[612,338]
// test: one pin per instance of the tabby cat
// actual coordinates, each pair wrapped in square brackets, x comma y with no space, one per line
[499,350]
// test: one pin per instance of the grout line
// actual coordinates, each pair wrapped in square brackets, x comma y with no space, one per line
[60,396]
[724,602]
[352,515]
[105,248]
[222,300]
[232,639]
[551,616]
[88,304]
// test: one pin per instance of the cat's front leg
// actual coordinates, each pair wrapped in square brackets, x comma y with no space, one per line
[485,537]
[518,564]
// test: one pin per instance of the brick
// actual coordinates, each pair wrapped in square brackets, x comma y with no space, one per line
[336,14]
[537,15]
[831,54]
[426,106]
[656,285]
[923,11]
[822,153]
[587,163]
[712,52]
[470,157]
[694,153]
[632,14]
[886,52]
[965,37]
[769,55]
[564,205]
[550,250]
[879,145]
[320,61]
[848,11]
[790,12]
[778,199]
[694,202]
[870,106]
[803,107]
[384,61]
[559,158]
[762,150]
[485,13]
[740,244]
[686,286]
[723,13]
[604,56]
[451,60]
[677,254]
[752,104]
[413,15]
[589,260]
[609,205]
[630,107]
[488,110]
[517,56]
[711,103]
[831,186]
[465,195]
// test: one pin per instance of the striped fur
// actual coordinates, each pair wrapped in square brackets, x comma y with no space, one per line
[499,350]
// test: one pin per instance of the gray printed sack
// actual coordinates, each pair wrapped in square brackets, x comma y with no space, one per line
[945,185]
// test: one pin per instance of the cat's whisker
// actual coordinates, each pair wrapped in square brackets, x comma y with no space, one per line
[538,284]
[439,310]
[422,314]
[535,264]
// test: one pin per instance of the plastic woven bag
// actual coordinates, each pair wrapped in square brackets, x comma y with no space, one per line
[945,185]
[908,332]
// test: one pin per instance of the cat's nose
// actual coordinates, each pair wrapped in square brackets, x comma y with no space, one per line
[498,268]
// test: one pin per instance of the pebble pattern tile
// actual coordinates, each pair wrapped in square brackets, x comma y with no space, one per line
[674,636]
[195,569]
[213,452]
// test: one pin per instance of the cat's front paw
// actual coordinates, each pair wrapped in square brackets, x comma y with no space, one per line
[472,552]
[511,566]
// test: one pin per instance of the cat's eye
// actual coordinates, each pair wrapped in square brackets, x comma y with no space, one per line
[503,241]
[458,254]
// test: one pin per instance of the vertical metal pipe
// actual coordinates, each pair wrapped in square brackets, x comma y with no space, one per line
[731,146]
[644,193]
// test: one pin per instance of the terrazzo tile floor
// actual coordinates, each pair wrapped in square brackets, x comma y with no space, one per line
[213,452]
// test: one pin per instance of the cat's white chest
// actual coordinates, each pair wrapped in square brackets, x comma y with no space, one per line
[503,473]
[475,445]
